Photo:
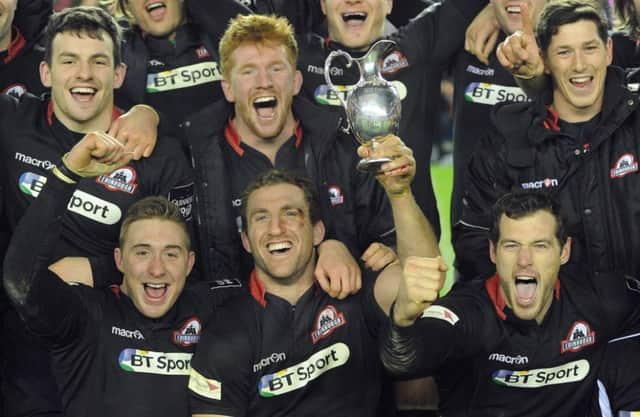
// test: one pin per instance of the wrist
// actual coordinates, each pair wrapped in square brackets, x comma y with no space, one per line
[151,109]
[65,173]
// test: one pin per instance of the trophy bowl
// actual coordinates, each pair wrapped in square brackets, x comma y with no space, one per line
[372,106]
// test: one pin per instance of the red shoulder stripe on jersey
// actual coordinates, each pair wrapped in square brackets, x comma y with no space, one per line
[232,137]
[551,122]
[298,132]
[493,289]
[116,290]
[16,45]
[257,289]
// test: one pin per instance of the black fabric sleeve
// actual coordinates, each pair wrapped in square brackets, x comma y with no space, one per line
[47,304]
[437,34]
[212,17]
[485,182]
[454,327]
[32,16]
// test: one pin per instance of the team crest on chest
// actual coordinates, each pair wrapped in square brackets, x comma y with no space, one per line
[580,336]
[328,320]
[122,179]
[335,196]
[394,62]
[189,333]
[626,164]
[202,52]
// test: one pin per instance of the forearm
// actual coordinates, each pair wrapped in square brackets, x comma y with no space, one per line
[414,234]
[34,240]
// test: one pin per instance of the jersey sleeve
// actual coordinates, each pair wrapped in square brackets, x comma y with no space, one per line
[219,382]
[373,212]
[49,307]
[452,328]
[437,34]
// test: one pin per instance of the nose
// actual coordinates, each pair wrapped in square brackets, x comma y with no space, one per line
[83,70]
[275,226]
[524,256]
[264,78]
[579,63]
[156,266]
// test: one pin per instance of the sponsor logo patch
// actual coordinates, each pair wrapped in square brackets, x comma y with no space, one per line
[156,63]
[490,94]
[183,77]
[394,62]
[205,387]
[31,184]
[94,208]
[629,413]
[298,376]
[189,333]
[535,378]
[485,72]
[129,334]
[182,197]
[626,164]
[511,360]
[333,71]
[441,313]
[159,363]
[269,360]
[327,322]
[335,196]
[30,160]
[536,185]
[122,179]
[580,335]
[225,283]
[15,90]
[323,95]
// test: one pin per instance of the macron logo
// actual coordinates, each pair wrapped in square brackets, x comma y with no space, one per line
[30,160]
[129,334]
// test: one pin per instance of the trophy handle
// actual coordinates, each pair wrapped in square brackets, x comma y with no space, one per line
[327,73]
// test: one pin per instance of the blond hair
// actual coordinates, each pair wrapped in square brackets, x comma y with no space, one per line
[256,29]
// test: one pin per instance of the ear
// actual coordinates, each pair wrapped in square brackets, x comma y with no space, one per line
[318,233]
[323,6]
[119,74]
[245,241]
[45,74]
[565,254]
[492,252]
[297,82]
[117,256]
[389,7]
[609,51]
[191,261]
[228,91]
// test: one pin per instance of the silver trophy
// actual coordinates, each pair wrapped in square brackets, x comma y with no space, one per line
[373,105]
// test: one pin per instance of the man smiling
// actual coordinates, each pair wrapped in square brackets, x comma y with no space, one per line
[578,140]
[533,333]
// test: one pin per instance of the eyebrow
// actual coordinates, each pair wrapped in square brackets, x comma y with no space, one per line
[148,246]
[74,55]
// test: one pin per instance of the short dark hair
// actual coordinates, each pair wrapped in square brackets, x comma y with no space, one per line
[558,13]
[154,207]
[275,177]
[523,203]
[84,21]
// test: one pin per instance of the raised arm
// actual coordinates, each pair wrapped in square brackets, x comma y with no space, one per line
[44,301]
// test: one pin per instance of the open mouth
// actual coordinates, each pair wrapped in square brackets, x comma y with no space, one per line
[265,106]
[580,82]
[279,248]
[83,93]
[526,289]
[156,9]
[155,291]
[355,17]
[513,9]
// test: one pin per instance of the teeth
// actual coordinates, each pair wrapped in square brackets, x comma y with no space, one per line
[267,101]
[580,79]
[525,280]
[154,6]
[155,286]
[354,16]
[513,9]
[83,90]
[273,247]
